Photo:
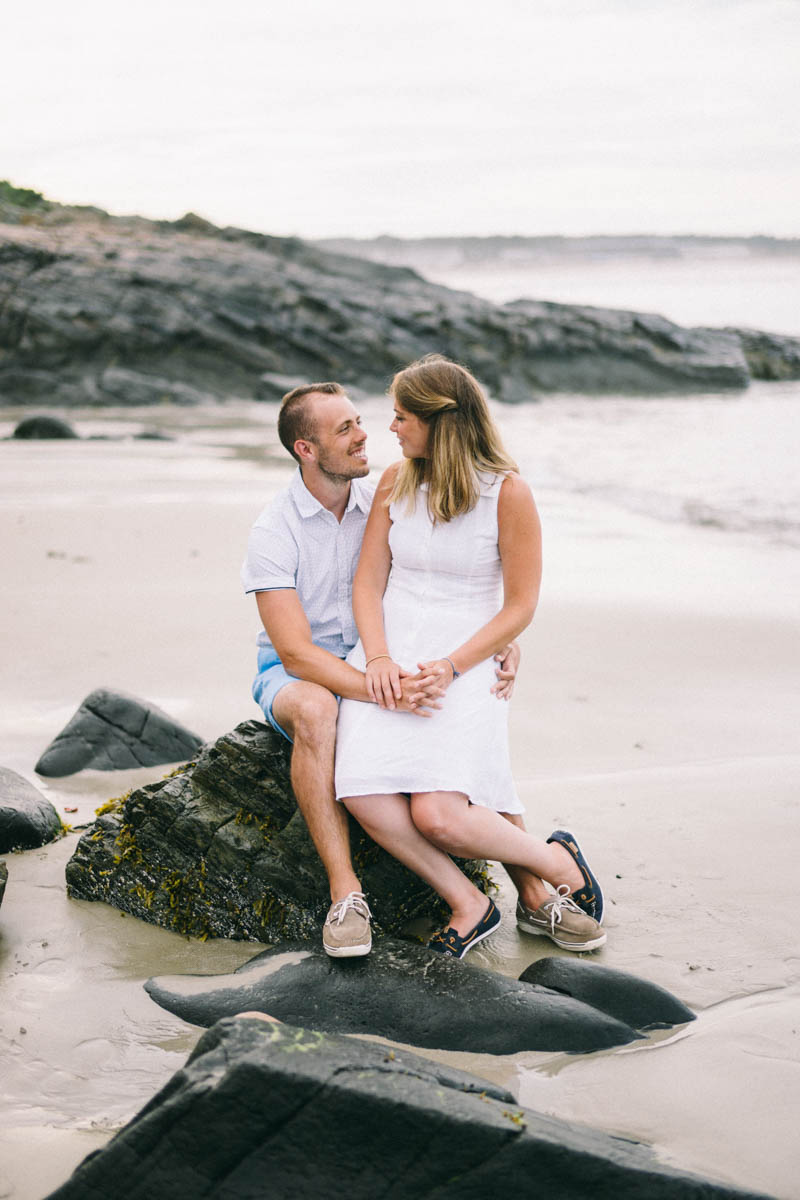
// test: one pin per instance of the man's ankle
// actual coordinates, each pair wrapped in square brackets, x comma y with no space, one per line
[341,887]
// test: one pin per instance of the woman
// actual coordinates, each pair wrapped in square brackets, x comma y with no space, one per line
[449,573]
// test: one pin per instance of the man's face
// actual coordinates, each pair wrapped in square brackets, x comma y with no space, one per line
[339,440]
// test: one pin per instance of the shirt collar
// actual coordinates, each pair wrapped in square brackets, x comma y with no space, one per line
[309,506]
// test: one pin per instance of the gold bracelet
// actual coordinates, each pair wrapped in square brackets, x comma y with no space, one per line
[375,658]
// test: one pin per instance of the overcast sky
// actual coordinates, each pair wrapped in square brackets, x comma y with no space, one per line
[415,117]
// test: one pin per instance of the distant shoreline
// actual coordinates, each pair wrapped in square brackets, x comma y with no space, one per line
[520,248]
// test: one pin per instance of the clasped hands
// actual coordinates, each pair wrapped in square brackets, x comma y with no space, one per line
[392,686]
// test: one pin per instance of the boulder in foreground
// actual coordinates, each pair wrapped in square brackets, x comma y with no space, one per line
[112,731]
[264,1110]
[27,818]
[400,991]
[221,850]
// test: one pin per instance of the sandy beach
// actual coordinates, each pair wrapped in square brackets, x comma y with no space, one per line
[656,715]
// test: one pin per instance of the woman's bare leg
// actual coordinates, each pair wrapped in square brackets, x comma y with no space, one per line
[449,821]
[387,820]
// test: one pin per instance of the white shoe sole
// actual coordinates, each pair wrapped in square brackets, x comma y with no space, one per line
[347,951]
[594,944]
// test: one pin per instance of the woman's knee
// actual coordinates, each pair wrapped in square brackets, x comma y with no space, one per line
[434,818]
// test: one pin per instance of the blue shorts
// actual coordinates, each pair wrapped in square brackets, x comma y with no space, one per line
[271,677]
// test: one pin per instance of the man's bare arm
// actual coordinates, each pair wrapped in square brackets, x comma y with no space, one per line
[288,629]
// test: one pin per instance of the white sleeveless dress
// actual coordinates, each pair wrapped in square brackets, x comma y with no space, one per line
[445,583]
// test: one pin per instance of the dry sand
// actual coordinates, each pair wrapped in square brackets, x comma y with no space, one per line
[656,715]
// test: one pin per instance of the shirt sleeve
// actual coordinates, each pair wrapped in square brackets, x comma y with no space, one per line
[271,561]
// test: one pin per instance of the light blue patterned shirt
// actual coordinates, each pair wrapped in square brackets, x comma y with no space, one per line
[297,543]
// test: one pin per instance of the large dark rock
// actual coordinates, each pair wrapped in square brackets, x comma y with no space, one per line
[400,991]
[27,818]
[274,1111]
[770,356]
[222,850]
[112,731]
[3,880]
[634,1001]
[44,427]
[101,310]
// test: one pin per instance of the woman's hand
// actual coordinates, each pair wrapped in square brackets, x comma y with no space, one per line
[442,668]
[383,676]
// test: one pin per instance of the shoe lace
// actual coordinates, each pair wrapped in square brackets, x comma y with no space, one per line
[355,900]
[560,901]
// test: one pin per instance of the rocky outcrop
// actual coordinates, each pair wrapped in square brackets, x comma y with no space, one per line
[400,991]
[27,818]
[634,1001]
[112,731]
[272,1110]
[42,427]
[220,849]
[770,356]
[107,310]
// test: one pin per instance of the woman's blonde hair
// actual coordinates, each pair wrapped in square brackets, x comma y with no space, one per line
[462,437]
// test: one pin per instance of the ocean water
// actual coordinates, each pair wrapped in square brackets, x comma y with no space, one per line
[728,461]
[715,289]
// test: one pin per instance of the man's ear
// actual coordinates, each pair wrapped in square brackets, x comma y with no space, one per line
[305,451]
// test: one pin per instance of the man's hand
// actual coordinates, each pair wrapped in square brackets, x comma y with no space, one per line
[508,661]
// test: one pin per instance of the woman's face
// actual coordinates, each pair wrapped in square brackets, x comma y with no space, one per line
[412,433]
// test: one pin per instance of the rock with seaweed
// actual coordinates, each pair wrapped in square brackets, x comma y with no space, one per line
[27,818]
[262,1109]
[219,849]
[112,730]
[101,310]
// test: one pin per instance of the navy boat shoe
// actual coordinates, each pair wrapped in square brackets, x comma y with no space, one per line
[453,945]
[589,897]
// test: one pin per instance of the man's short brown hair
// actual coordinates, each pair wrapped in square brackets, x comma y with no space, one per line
[294,420]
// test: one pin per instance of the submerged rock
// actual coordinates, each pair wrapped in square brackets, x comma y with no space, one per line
[44,427]
[637,1002]
[221,849]
[400,991]
[272,1110]
[27,818]
[112,731]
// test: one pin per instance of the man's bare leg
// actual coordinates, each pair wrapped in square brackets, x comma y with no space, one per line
[530,888]
[308,713]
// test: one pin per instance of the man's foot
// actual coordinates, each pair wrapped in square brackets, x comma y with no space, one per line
[560,919]
[453,945]
[346,932]
[588,897]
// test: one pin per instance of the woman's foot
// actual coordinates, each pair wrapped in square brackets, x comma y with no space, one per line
[584,890]
[452,944]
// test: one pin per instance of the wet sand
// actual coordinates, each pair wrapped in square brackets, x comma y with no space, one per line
[656,716]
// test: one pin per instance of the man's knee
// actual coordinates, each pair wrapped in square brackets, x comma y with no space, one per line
[308,710]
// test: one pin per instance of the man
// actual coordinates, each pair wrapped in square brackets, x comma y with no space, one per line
[301,559]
